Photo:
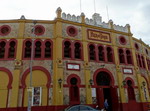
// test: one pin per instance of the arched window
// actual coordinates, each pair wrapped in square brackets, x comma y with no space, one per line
[143,62]
[101,54]
[129,58]
[121,56]
[48,50]
[92,52]
[27,53]
[77,50]
[11,52]
[38,49]
[67,49]
[148,63]
[131,95]
[2,49]
[109,54]
[139,59]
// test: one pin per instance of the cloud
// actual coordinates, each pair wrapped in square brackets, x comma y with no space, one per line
[122,12]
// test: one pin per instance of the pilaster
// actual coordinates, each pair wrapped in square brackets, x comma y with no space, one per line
[57,63]
[87,72]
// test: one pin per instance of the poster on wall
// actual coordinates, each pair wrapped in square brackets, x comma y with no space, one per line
[93,92]
[36,96]
[94,101]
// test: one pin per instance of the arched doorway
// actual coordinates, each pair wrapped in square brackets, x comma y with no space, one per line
[74,93]
[40,86]
[6,79]
[105,89]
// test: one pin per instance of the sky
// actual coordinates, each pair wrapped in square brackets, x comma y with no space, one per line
[122,12]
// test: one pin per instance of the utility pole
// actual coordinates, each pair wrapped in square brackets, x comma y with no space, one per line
[31,62]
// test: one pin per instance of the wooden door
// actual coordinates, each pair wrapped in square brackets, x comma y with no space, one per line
[114,99]
[100,97]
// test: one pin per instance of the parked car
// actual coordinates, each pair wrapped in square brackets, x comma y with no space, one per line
[80,108]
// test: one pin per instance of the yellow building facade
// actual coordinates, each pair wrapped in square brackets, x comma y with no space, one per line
[74,60]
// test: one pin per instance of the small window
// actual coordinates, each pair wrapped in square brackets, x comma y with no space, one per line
[92,53]
[48,49]
[38,49]
[139,59]
[2,49]
[143,62]
[67,49]
[136,46]
[77,51]
[146,51]
[27,53]
[11,53]
[148,63]
[101,53]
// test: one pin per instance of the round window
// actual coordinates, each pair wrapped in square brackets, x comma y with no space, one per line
[72,31]
[39,30]
[5,30]
[122,40]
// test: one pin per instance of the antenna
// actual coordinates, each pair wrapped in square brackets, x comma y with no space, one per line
[80,7]
[107,12]
[94,7]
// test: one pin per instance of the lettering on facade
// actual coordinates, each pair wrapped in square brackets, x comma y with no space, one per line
[98,35]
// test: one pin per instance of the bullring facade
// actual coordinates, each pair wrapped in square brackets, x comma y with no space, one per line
[76,60]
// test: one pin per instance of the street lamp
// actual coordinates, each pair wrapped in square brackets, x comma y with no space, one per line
[91,82]
[60,82]
[123,83]
[31,62]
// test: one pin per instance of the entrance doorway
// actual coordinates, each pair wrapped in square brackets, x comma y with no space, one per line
[105,90]
[107,95]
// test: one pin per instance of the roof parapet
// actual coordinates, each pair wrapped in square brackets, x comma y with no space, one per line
[22,17]
[95,21]
[58,12]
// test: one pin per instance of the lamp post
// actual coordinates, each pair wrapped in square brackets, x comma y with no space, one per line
[31,62]
[90,82]
[123,83]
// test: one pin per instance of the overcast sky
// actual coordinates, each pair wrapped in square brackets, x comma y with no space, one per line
[122,12]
